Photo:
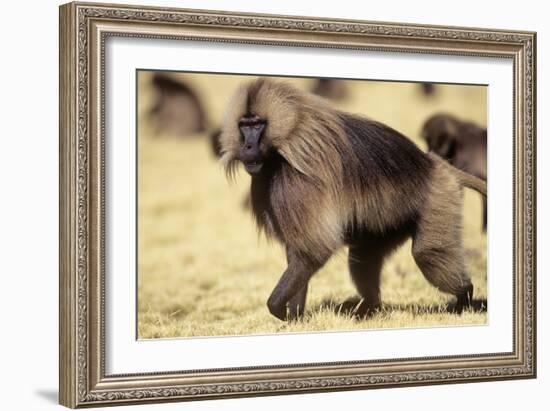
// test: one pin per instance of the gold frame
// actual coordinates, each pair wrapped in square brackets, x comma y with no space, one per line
[83,30]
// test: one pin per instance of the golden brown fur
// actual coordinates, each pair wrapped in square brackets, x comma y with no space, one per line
[330,178]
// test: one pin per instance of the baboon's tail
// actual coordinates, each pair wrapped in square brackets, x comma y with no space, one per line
[471,181]
[466,179]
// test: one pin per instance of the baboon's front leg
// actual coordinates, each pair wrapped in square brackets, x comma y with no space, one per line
[297,304]
[290,291]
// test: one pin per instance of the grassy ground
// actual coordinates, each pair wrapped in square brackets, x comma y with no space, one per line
[202,268]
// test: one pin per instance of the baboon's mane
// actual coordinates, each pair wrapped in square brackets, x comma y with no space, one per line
[338,169]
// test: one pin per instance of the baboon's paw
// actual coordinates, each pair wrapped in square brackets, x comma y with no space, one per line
[464,300]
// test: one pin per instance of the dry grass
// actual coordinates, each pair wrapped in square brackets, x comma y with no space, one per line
[204,271]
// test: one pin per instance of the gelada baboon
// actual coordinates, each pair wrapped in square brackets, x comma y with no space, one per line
[177,109]
[322,178]
[461,143]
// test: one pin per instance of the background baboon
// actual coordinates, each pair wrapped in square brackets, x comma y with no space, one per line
[461,143]
[428,89]
[177,109]
[323,178]
[331,89]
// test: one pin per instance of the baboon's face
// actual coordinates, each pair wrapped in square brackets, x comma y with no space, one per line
[254,148]
[259,125]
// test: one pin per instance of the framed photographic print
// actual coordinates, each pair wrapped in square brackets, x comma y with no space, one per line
[261,205]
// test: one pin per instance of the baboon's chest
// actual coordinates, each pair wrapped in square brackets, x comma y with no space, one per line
[280,210]
[264,208]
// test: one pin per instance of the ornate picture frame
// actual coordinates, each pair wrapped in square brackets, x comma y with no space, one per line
[84,29]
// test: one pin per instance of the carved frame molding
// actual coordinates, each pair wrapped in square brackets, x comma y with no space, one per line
[84,27]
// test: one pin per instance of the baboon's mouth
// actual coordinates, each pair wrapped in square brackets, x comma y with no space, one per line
[253,167]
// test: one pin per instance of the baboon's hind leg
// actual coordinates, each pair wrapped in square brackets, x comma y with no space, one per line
[365,266]
[437,247]
[365,260]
